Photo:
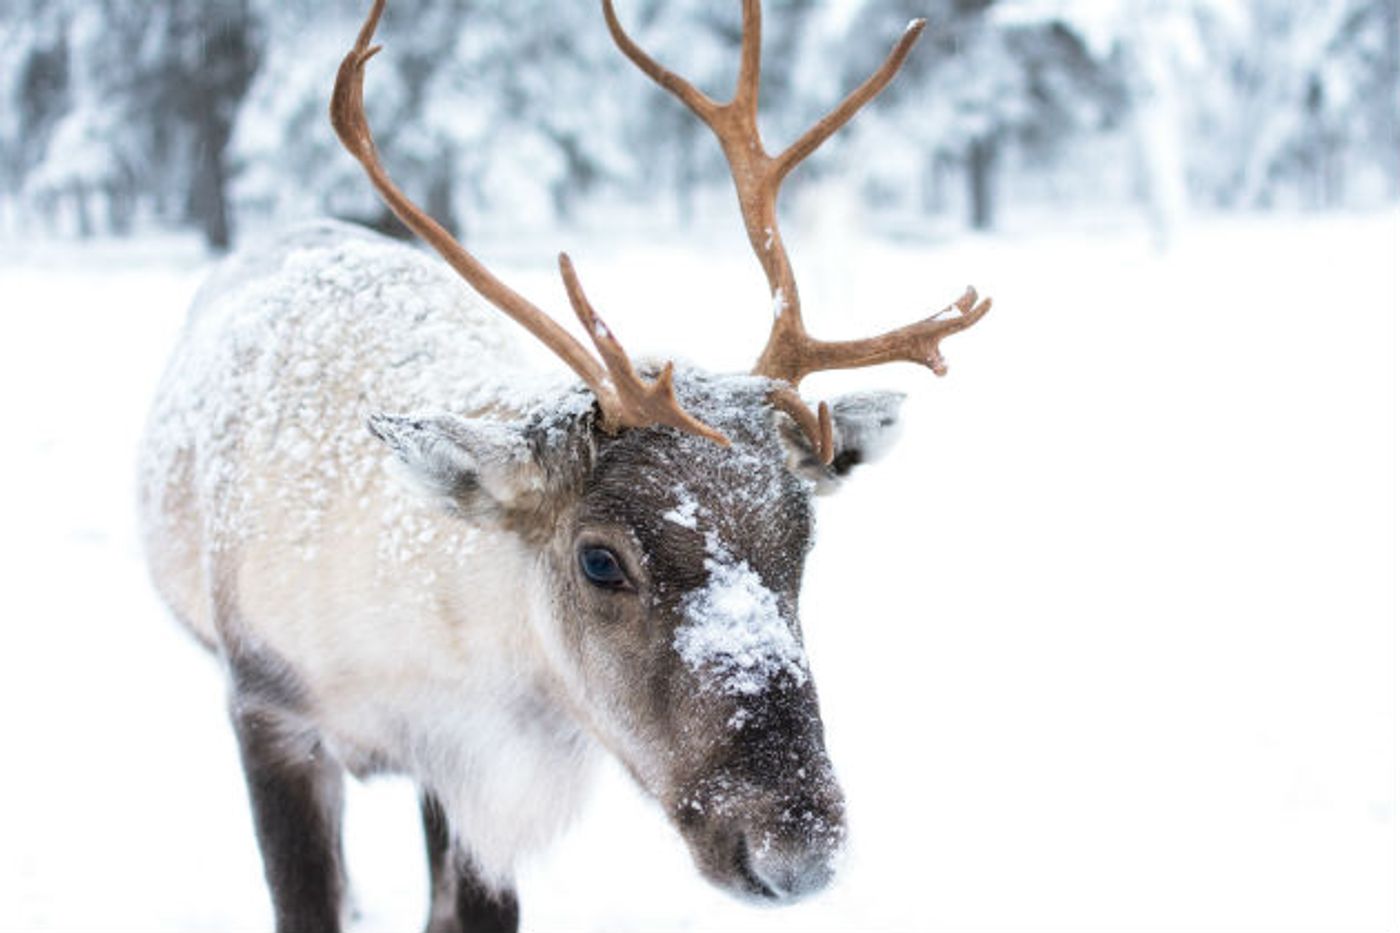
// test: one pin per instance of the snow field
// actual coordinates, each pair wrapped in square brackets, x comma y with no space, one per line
[1108,643]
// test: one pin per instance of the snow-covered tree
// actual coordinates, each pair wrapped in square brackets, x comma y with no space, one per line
[121,113]
[988,79]
[120,102]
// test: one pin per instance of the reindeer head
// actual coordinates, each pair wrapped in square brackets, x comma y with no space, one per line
[672,513]
[667,601]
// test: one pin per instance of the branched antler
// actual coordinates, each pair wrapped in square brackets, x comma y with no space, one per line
[791,354]
[624,398]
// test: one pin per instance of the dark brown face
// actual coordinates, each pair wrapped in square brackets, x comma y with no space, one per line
[678,573]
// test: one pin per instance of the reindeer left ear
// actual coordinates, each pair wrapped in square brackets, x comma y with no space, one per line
[468,462]
[864,426]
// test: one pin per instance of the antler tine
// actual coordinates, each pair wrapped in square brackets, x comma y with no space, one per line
[914,343]
[750,57]
[821,131]
[618,389]
[817,426]
[640,403]
[697,100]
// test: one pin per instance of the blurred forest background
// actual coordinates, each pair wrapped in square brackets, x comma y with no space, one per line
[124,116]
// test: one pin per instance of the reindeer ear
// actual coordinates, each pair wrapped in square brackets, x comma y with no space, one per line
[864,426]
[468,461]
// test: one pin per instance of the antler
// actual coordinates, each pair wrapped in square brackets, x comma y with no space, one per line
[625,399]
[817,426]
[791,353]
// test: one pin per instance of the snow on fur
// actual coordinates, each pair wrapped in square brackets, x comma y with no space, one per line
[735,629]
[274,361]
[684,512]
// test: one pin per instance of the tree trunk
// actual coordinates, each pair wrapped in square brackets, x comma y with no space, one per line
[209,99]
[120,207]
[933,197]
[687,172]
[1154,120]
[685,187]
[981,163]
[209,197]
[81,208]
[439,202]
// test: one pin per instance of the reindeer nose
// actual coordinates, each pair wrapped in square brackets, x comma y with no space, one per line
[763,843]
[793,853]
[794,870]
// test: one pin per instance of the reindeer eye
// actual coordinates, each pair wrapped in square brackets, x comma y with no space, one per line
[602,568]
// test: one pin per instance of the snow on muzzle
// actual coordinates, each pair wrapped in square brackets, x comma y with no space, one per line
[769,841]
[762,811]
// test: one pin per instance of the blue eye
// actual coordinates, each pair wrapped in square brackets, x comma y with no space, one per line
[602,568]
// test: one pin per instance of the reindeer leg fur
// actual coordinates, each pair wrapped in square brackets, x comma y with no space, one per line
[462,902]
[296,790]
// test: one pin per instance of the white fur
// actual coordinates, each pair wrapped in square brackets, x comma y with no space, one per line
[869,421]
[270,517]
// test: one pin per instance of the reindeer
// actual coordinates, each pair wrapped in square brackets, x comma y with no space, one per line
[535,572]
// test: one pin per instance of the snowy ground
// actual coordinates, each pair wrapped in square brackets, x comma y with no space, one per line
[1108,645]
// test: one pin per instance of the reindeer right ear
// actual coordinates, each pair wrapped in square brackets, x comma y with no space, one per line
[865,426]
[464,459]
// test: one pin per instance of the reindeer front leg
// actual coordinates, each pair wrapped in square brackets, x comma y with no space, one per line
[295,788]
[462,902]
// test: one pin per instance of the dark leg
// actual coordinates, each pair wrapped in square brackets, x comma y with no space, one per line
[442,914]
[462,902]
[295,789]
